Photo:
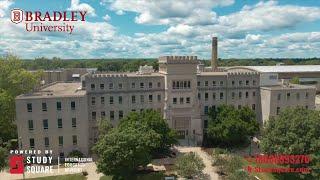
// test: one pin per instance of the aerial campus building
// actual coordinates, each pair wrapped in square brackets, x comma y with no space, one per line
[62,116]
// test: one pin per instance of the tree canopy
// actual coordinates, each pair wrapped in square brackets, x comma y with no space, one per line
[190,165]
[228,126]
[14,80]
[294,131]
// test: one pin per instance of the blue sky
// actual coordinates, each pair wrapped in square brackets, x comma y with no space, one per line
[151,28]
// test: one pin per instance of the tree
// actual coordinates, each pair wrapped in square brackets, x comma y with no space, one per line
[190,165]
[228,126]
[294,131]
[3,158]
[14,80]
[295,80]
[76,154]
[123,151]
[153,120]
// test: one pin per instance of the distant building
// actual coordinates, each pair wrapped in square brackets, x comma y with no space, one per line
[63,116]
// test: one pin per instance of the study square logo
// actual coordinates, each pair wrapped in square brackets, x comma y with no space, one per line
[16,164]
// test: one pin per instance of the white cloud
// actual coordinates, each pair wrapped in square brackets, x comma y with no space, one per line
[4,6]
[106,17]
[77,6]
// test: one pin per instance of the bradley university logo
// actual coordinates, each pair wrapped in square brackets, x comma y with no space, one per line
[16,15]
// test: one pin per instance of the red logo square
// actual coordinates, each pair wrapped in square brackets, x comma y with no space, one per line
[16,164]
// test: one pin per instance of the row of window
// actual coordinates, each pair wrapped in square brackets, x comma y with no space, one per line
[120,99]
[288,96]
[233,94]
[278,109]
[47,142]
[181,100]
[233,83]
[45,106]
[181,84]
[45,123]
[120,85]
[112,114]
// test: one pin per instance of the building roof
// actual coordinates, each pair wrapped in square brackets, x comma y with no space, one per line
[56,90]
[286,87]
[281,69]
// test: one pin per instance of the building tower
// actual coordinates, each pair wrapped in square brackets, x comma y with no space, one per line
[214,54]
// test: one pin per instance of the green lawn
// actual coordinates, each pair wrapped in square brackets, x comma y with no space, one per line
[62,177]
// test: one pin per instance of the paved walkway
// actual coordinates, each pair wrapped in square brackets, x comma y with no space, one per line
[209,170]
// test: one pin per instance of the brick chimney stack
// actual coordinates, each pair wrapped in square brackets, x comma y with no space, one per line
[214,54]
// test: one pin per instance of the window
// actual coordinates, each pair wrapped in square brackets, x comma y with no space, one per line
[214,96]
[232,83]
[221,95]
[189,84]
[44,106]
[120,99]
[93,86]
[61,155]
[73,105]
[206,96]
[278,110]
[206,83]
[31,142]
[247,94]
[94,115]
[133,99]
[199,96]
[30,125]
[206,110]
[120,114]
[307,95]
[133,85]
[240,83]
[253,93]
[198,83]
[150,98]
[29,107]
[141,110]
[213,83]
[74,122]
[254,82]
[150,84]
[232,95]
[239,106]
[247,82]
[159,97]
[279,97]
[159,84]
[60,140]
[142,98]
[111,100]
[111,115]
[253,106]
[93,101]
[174,100]
[58,106]
[103,114]
[307,107]
[45,124]
[298,96]
[101,86]
[205,124]
[141,85]
[240,95]
[110,85]
[133,110]
[102,100]
[288,96]
[74,140]
[59,123]
[173,85]
[188,100]
[221,83]
[181,100]
[120,85]
[46,142]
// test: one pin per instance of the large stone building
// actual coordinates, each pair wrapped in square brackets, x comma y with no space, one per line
[63,116]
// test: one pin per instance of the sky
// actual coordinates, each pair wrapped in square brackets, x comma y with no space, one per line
[153,28]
